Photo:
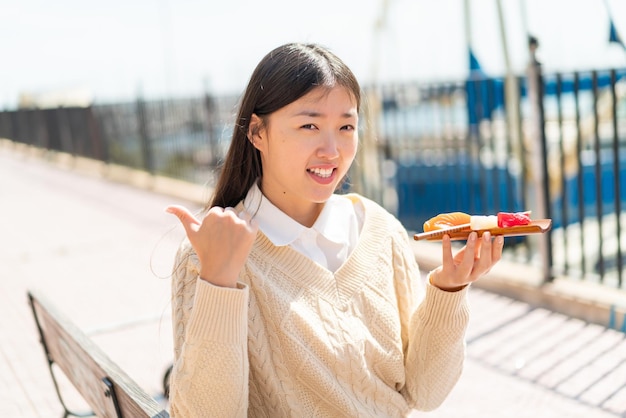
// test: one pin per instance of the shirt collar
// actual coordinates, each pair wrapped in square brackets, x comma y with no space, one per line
[283,230]
[273,222]
[336,216]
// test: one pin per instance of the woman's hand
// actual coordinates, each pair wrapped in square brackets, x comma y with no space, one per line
[222,241]
[470,263]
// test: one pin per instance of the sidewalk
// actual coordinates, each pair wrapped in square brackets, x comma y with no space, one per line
[102,252]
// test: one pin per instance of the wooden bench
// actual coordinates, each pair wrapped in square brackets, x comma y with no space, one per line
[106,388]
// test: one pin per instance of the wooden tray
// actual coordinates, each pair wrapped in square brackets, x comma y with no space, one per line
[537,226]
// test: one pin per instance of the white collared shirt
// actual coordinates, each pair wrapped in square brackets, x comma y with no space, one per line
[328,242]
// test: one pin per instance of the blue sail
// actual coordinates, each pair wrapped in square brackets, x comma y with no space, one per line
[484,94]
[614,36]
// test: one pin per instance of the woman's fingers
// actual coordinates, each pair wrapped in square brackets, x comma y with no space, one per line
[469,256]
[188,220]
[496,249]
[448,259]
[489,254]
[464,260]
[222,241]
[471,262]
[483,261]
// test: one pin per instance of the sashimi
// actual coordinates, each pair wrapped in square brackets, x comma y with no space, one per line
[508,219]
[446,220]
[477,222]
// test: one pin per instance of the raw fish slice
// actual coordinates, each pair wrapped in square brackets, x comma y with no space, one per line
[446,220]
[538,226]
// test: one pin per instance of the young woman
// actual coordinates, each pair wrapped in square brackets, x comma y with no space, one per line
[292,301]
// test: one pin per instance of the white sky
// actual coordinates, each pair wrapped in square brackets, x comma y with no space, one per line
[116,48]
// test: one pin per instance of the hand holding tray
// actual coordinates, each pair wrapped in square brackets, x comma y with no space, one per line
[461,232]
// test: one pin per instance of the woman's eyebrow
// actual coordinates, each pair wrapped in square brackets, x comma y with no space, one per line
[313,113]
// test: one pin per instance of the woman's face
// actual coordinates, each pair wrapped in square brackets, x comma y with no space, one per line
[306,149]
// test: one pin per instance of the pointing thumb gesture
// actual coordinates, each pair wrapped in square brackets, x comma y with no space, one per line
[189,221]
[222,241]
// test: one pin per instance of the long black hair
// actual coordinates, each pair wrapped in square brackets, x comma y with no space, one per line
[283,76]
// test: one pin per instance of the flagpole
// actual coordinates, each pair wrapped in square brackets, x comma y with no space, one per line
[505,47]
[468,31]
[511,86]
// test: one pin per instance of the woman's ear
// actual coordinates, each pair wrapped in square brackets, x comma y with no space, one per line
[255,131]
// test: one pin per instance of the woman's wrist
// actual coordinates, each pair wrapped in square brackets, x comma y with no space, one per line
[441,287]
[218,280]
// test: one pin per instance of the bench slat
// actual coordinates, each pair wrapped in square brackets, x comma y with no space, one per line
[86,366]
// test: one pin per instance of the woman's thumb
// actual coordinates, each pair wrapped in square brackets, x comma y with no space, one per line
[185,216]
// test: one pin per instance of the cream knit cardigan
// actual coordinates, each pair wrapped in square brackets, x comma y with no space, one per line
[296,340]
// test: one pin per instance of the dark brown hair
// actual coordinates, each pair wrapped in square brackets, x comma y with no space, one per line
[283,76]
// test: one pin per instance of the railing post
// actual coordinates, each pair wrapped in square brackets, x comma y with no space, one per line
[539,159]
[368,178]
[616,173]
[212,119]
[66,138]
[146,147]
[41,130]
[6,124]
[100,149]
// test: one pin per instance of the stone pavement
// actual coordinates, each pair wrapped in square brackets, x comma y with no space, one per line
[102,251]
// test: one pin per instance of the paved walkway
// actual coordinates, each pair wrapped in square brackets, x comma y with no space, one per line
[102,251]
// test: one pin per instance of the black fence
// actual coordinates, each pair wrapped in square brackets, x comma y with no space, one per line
[554,144]
[179,138]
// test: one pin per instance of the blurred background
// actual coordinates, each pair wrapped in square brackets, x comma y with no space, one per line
[469,105]
[111,51]
[516,105]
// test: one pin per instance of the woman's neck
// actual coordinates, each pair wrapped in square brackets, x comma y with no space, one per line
[305,213]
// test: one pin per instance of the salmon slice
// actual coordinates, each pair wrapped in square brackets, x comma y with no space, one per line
[446,220]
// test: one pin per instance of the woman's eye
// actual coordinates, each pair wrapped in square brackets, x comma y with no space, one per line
[308,126]
[347,128]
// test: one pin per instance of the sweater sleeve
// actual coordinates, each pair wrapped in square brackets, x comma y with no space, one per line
[210,374]
[434,322]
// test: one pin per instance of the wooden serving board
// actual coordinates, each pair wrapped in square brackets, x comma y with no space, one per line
[538,226]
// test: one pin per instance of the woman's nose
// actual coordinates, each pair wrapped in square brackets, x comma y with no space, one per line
[329,145]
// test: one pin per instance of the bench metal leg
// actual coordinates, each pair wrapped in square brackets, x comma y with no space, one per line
[166,382]
[67,411]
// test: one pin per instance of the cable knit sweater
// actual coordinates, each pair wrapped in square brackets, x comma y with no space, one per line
[296,340]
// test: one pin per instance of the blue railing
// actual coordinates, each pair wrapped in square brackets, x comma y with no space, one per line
[451,145]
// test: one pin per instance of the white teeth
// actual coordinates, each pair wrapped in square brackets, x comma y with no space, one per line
[322,172]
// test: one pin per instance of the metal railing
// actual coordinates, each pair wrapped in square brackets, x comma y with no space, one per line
[563,158]
[557,146]
[179,138]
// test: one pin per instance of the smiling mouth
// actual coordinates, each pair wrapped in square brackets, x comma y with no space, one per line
[321,172]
